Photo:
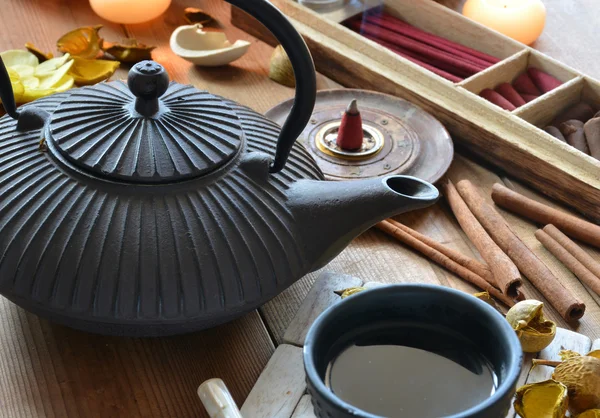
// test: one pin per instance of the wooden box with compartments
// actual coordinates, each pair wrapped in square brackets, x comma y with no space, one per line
[513,140]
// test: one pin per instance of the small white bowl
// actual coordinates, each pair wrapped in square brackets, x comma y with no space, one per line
[208,49]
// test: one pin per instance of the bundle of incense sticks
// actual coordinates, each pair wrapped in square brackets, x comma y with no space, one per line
[443,57]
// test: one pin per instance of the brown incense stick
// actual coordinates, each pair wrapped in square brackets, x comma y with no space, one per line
[505,272]
[544,215]
[439,258]
[528,263]
[571,262]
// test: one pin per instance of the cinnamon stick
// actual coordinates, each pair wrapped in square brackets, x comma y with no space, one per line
[439,258]
[565,257]
[555,132]
[497,99]
[575,250]
[581,111]
[543,81]
[542,214]
[509,93]
[467,262]
[575,135]
[592,136]
[505,273]
[528,263]
[524,85]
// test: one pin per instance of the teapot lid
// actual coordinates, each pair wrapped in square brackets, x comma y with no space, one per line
[147,131]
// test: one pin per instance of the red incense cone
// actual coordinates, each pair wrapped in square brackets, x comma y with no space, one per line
[350,134]
[497,99]
[545,82]
[509,93]
[524,85]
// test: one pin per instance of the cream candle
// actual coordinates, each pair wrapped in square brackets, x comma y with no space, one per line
[129,11]
[522,20]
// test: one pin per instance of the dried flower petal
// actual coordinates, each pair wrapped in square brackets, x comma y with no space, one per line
[81,42]
[14,57]
[592,413]
[546,399]
[86,72]
[128,51]
[349,292]
[194,15]
[533,330]
[41,56]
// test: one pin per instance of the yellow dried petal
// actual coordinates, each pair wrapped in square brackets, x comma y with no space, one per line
[51,79]
[592,413]
[350,291]
[82,42]
[64,84]
[23,70]
[546,399]
[51,65]
[16,85]
[41,56]
[87,72]
[29,95]
[533,330]
[18,57]
[128,51]
[30,82]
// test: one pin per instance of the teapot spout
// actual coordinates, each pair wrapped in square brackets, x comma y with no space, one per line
[331,214]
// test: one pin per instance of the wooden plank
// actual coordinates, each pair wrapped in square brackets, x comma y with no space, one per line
[304,408]
[279,387]
[320,297]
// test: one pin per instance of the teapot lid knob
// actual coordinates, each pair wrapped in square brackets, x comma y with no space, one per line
[147,80]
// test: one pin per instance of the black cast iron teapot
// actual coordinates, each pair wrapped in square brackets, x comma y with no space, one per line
[158,209]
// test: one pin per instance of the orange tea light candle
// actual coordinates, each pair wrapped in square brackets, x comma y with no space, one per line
[522,20]
[129,11]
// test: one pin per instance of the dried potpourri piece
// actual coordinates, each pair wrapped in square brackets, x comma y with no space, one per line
[349,292]
[546,399]
[41,56]
[534,331]
[87,72]
[130,50]
[84,42]
[194,15]
[581,375]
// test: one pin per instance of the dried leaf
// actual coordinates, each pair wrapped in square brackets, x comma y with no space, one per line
[41,56]
[533,330]
[88,72]
[592,413]
[349,292]
[82,42]
[129,51]
[546,399]
[194,15]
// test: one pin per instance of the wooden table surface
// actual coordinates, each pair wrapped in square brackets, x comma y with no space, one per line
[49,370]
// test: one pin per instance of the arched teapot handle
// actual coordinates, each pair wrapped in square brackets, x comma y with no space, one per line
[304,72]
[6,92]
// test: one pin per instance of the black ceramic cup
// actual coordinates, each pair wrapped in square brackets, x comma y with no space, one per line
[430,305]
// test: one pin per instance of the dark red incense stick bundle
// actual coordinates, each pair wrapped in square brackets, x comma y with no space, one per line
[417,47]
[440,40]
[406,30]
